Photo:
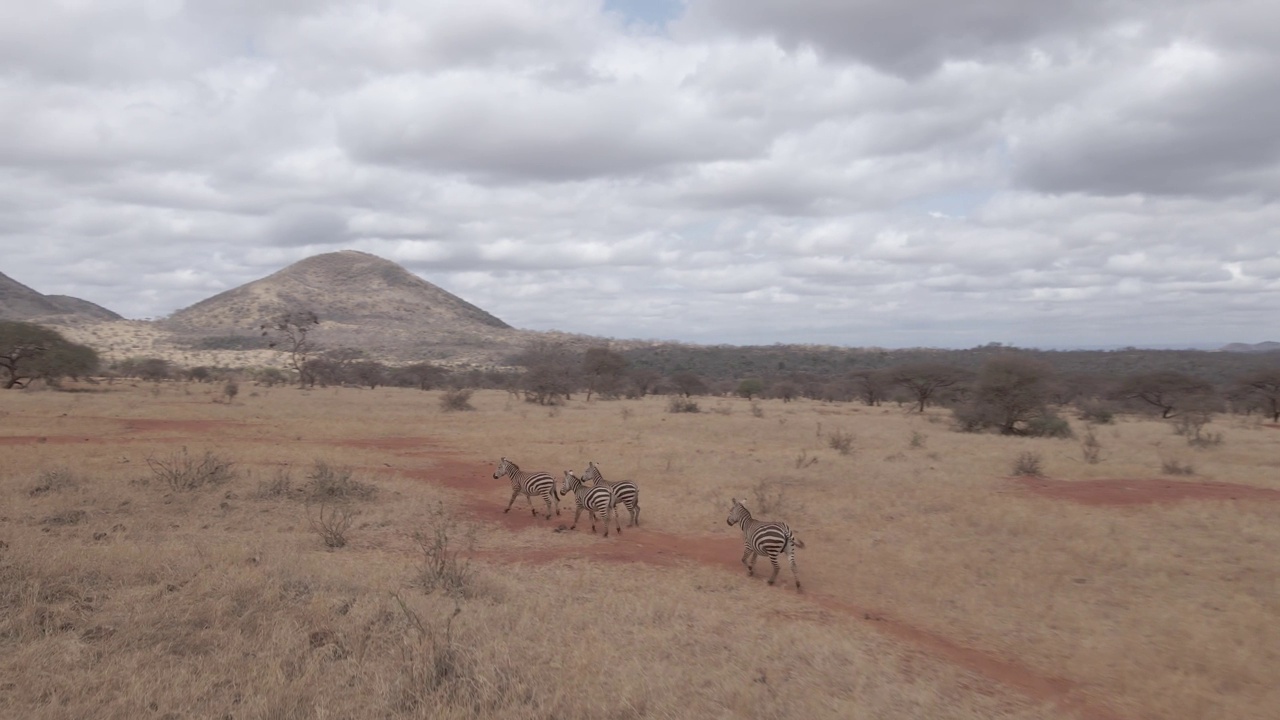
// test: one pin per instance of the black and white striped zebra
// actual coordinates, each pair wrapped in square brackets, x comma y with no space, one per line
[765,538]
[592,499]
[624,492]
[530,484]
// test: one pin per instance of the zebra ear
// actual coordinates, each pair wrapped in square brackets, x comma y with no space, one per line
[735,501]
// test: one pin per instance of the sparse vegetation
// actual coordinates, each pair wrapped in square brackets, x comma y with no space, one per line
[682,405]
[181,472]
[1091,447]
[330,520]
[1028,464]
[54,480]
[1174,466]
[841,442]
[456,400]
[259,616]
[337,483]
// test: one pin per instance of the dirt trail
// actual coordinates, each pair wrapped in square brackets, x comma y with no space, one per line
[638,545]
[1141,491]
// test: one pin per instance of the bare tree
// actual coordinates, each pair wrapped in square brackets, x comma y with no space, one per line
[688,383]
[291,330]
[872,385]
[924,380]
[1168,391]
[551,372]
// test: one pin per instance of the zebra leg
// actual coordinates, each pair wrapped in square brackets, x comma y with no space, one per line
[616,520]
[512,501]
[635,513]
[750,565]
[547,497]
[576,515]
[532,509]
[794,573]
[592,513]
[774,559]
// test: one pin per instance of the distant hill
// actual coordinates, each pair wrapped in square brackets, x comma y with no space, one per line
[363,301]
[19,302]
[1268,346]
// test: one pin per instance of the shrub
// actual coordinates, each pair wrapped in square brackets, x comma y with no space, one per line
[331,521]
[1175,467]
[756,410]
[917,439]
[330,482]
[54,480]
[442,567]
[456,400]
[682,405]
[1028,464]
[841,442]
[1091,448]
[280,485]
[180,471]
[1097,413]
[1049,424]
[231,389]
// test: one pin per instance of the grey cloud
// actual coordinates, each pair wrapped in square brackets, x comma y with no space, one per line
[913,38]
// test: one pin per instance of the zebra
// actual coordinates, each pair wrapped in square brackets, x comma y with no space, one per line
[624,492]
[529,483]
[765,538]
[594,500]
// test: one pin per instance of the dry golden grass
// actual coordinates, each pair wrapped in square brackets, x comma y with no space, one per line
[936,587]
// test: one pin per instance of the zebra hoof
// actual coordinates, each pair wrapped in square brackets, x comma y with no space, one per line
[770,582]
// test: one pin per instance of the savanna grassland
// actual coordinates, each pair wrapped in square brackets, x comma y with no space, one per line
[935,584]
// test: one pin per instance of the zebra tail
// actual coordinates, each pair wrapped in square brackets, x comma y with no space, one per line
[797,542]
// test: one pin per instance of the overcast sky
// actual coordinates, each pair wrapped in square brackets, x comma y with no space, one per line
[851,172]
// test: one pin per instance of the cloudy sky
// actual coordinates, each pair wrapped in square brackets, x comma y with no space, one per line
[852,172]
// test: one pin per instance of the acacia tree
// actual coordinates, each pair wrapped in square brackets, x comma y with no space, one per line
[29,351]
[1168,391]
[925,379]
[1263,387]
[1011,391]
[872,385]
[550,372]
[688,383]
[291,332]
[603,369]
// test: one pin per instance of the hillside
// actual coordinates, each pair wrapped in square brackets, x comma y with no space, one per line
[362,300]
[19,302]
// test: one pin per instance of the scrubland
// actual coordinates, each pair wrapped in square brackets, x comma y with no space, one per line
[936,585]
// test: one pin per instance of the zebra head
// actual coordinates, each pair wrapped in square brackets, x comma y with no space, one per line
[592,474]
[738,513]
[571,483]
[505,467]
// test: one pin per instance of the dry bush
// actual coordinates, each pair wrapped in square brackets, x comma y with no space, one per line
[336,483]
[331,520]
[1191,426]
[804,460]
[280,485]
[679,404]
[1028,464]
[768,498]
[756,410]
[456,400]
[918,439]
[53,481]
[841,442]
[1098,413]
[442,565]
[1091,447]
[1173,466]
[181,472]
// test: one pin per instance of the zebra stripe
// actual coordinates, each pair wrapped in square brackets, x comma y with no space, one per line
[530,484]
[593,500]
[765,538]
[624,492]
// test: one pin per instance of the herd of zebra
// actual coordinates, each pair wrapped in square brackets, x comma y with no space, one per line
[597,497]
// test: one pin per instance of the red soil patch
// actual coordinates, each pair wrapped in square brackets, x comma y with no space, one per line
[195,426]
[1142,491]
[639,545]
[51,439]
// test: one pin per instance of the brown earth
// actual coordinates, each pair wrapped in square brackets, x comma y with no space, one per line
[1141,491]
[483,499]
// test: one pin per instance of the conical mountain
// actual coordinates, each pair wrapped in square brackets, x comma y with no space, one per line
[19,302]
[363,301]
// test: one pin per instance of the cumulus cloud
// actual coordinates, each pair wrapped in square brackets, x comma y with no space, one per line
[868,173]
